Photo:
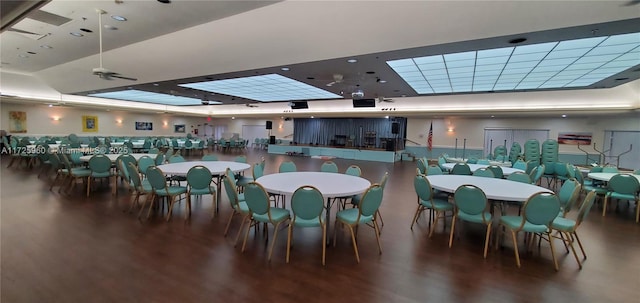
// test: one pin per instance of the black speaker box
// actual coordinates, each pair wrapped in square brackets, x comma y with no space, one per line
[269,124]
[272,140]
[391,145]
[395,128]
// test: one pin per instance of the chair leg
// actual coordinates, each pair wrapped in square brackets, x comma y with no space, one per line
[553,253]
[355,245]
[380,217]
[246,235]
[226,230]
[573,250]
[324,242]
[575,234]
[275,236]
[289,235]
[214,205]
[88,185]
[415,217]
[604,205]
[435,222]
[245,218]
[375,226]
[515,247]
[637,211]
[486,239]
[453,226]
[187,213]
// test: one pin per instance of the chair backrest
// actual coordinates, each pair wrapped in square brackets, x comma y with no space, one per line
[519,177]
[585,207]
[483,172]
[144,163]
[287,167]
[636,172]
[232,177]
[209,157]
[383,181]
[329,167]
[55,161]
[307,203]
[371,200]
[176,159]
[126,159]
[530,166]
[483,161]
[497,171]
[156,179]
[520,165]
[624,184]
[422,187]
[541,208]
[188,143]
[99,164]
[568,194]
[159,160]
[153,150]
[578,175]
[610,169]
[257,199]
[241,159]
[561,169]
[461,169]
[539,173]
[199,177]
[470,199]
[257,171]
[433,170]
[472,160]
[353,170]
[596,169]
[231,190]
[134,175]
[422,166]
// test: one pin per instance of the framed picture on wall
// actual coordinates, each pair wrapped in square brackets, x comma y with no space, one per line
[17,122]
[179,128]
[144,126]
[575,138]
[89,123]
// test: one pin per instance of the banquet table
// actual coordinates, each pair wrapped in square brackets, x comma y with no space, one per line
[491,162]
[606,176]
[505,170]
[114,157]
[217,168]
[330,185]
[494,189]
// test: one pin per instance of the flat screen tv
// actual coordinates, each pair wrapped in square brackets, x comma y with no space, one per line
[364,102]
[299,105]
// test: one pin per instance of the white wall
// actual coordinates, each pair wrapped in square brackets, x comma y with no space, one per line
[473,129]
[281,129]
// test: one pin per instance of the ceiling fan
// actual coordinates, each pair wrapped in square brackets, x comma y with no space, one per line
[337,78]
[102,72]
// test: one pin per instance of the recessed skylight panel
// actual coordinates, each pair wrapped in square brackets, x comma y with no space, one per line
[148,97]
[570,63]
[265,88]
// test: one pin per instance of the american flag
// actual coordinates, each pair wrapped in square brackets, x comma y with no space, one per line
[430,137]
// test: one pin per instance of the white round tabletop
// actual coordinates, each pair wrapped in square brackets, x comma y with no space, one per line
[114,157]
[216,167]
[505,170]
[606,176]
[496,189]
[329,184]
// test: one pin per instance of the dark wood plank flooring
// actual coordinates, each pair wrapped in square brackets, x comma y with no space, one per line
[59,248]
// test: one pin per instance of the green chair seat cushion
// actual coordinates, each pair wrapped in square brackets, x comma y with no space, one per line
[355,199]
[621,196]
[438,205]
[146,187]
[477,218]
[241,197]
[308,222]
[513,222]
[350,216]
[203,191]
[172,191]
[563,224]
[277,215]
[80,172]
[105,174]
[242,207]
[598,189]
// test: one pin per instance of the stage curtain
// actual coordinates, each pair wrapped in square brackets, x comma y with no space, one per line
[324,130]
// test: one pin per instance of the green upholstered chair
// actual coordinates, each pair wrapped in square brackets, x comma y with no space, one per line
[140,188]
[471,206]
[353,170]
[238,205]
[539,211]
[209,157]
[461,169]
[199,184]
[568,228]
[159,159]
[287,167]
[162,189]
[261,211]
[568,195]
[483,172]
[100,167]
[329,167]
[623,187]
[144,163]
[437,207]
[497,171]
[433,170]
[422,166]
[519,177]
[307,206]
[483,161]
[365,214]
[519,164]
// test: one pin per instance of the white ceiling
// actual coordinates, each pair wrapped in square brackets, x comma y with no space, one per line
[187,39]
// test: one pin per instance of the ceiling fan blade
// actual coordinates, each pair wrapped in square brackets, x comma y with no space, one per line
[123,77]
[632,2]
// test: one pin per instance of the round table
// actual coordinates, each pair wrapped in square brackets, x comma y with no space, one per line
[114,157]
[217,168]
[491,162]
[494,189]
[606,176]
[505,170]
[330,185]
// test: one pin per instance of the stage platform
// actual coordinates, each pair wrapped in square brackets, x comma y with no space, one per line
[378,155]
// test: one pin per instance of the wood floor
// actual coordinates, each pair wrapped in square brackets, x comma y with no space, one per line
[59,248]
